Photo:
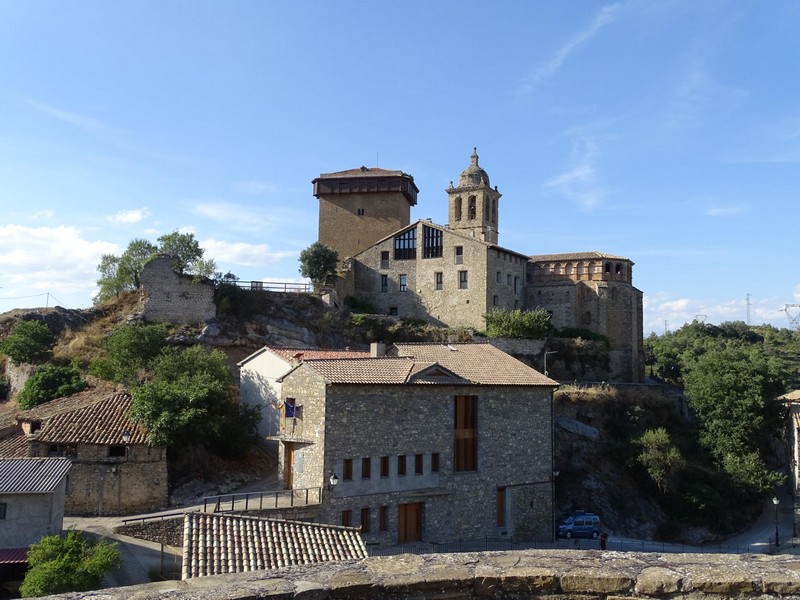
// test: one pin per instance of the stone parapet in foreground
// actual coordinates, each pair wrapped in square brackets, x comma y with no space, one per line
[553,574]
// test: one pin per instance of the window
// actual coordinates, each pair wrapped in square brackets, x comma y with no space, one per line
[498,278]
[459,254]
[403,282]
[472,208]
[435,462]
[463,282]
[405,245]
[366,468]
[516,284]
[365,520]
[438,280]
[494,300]
[360,212]
[384,283]
[401,464]
[347,469]
[431,242]
[289,408]
[501,507]
[465,430]
[383,518]
[384,259]
[347,517]
[418,464]
[3,506]
[68,450]
[384,466]
[116,451]
[392,311]
[508,280]
[457,211]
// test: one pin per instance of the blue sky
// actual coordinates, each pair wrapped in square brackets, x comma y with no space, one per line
[666,132]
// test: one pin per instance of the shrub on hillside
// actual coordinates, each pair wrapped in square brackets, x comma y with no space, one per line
[49,382]
[525,324]
[29,342]
[131,348]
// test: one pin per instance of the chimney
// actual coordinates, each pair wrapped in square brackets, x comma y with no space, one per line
[377,350]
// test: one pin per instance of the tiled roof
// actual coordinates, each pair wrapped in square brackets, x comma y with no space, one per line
[31,475]
[478,363]
[453,364]
[95,420]
[14,446]
[592,255]
[300,354]
[215,544]
[364,172]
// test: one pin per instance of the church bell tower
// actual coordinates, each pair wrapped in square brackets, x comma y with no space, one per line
[473,204]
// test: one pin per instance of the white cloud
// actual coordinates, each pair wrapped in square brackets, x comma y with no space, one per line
[240,253]
[605,16]
[43,214]
[85,123]
[58,260]
[578,184]
[255,187]
[129,216]
[723,211]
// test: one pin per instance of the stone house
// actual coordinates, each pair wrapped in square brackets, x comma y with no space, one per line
[114,469]
[32,492]
[453,274]
[792,402]
[429,442]
[259,374]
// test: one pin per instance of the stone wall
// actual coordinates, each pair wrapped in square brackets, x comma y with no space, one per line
[518,575]
[173,297]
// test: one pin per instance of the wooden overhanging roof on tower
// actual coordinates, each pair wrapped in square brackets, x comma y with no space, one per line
[366,180]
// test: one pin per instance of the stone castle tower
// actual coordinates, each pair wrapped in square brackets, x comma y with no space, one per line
[473,205]
[359,206]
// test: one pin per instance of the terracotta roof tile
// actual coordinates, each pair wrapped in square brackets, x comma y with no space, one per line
[215,544]
[591,255]
[391,371]
[93,420]
[14,446]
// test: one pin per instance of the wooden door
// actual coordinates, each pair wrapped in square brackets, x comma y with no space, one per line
[288,464]
[409,522]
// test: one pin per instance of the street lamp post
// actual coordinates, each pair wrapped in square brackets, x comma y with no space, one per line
[545,360]
[775,501]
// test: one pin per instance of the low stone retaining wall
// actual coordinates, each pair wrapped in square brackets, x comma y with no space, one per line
[528,574]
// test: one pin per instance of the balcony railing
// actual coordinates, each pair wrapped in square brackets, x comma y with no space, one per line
[262,500]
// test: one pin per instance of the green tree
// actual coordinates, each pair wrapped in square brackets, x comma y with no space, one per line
[529,324]
[733,391]
[29,342]
[318,262]
[123,273]
[67,564]
[660,458]
[191,399]
[131,350]
[49,382]
[188,252]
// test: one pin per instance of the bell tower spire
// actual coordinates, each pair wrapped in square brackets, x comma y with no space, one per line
[473,204]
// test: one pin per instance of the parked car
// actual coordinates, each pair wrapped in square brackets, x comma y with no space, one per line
[578,524]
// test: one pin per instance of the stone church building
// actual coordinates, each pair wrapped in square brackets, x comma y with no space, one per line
[453,274]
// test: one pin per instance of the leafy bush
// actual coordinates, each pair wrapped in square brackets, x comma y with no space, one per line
[527,324]
[131,348]
[660,458]
[49,382]
[67,564]
[29,342]
[318,262]
[191,400]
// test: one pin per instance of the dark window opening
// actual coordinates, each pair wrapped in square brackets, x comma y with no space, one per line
[290,408]
[360,212]
[438,280]
[384,283]
[401,464]
[365,520]
[383,518]
[384,259]
[457,211]
[435,462]
[432,244]
[116,451]
[384,466]
[458,254]
[405,245]
[418,464]
[347,517]
[472,208]
[393,311]
[3,506]
[403,282]
[466,434]
[347,470]
[366,468]
[463,280]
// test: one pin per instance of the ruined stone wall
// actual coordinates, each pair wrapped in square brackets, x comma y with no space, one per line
[516,575]
[175,298]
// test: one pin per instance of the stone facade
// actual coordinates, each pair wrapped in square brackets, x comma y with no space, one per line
[452,275]
[391,445]
[367,203]
[173,297]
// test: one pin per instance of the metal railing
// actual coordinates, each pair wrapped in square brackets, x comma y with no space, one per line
[272,286]
[148,518]
[262,500]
